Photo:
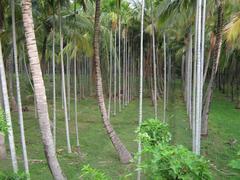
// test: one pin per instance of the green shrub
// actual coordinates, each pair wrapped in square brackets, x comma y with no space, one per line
[175,162]
[89,173]
[235,164]
[152,132]
[3,123]
[162,161]
[13,176]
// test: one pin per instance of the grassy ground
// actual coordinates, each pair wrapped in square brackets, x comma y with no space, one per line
[97,150]
[224,124]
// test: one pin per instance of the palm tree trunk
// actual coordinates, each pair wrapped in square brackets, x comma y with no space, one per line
[76,99]
[10,79]
[165,79]
[216,58]
[40,92]
[19,99]
[7,112]
[154,64]
[189,89]
[29,79]
[141,90]
[128,73]
[169,75]
[194,83]
[64,87]
[54,85]
[115,75]
[183,72]
[68,87]
[124,69]
[123,153]
[119,63]
[198,79]
[110,78]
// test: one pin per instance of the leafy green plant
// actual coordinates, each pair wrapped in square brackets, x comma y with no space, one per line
[89,173]
[235,164]
[175,162]
[13,176]
[162,161]
[152,132]
[3,123]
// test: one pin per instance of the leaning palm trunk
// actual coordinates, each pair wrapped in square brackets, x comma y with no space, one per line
[123,153]
[40,92]
[19,100]
[7,111]
[29,80]
[216,58]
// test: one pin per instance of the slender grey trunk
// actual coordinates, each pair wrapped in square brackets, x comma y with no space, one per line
[110,77]
[115,75]
[7,112]
[154,64]
[119,63]
[199,74]
[76,99]
[19,99]
[124,68]
[141,89]
[189,87]
[68,87]
[169,74]
[183,73]
[64,89]
[165,79]
[13,103]
[54,85]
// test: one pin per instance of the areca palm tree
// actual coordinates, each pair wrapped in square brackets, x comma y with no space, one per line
[19,100]
[39,90]
[63,84]
[216,58]
[154,63]
[141,88]
[123,153]
[165,79]
[4,91]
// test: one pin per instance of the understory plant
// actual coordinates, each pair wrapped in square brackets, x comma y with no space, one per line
[3,123]
[89,173]
[13,176]
[235,164]
[163,161]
